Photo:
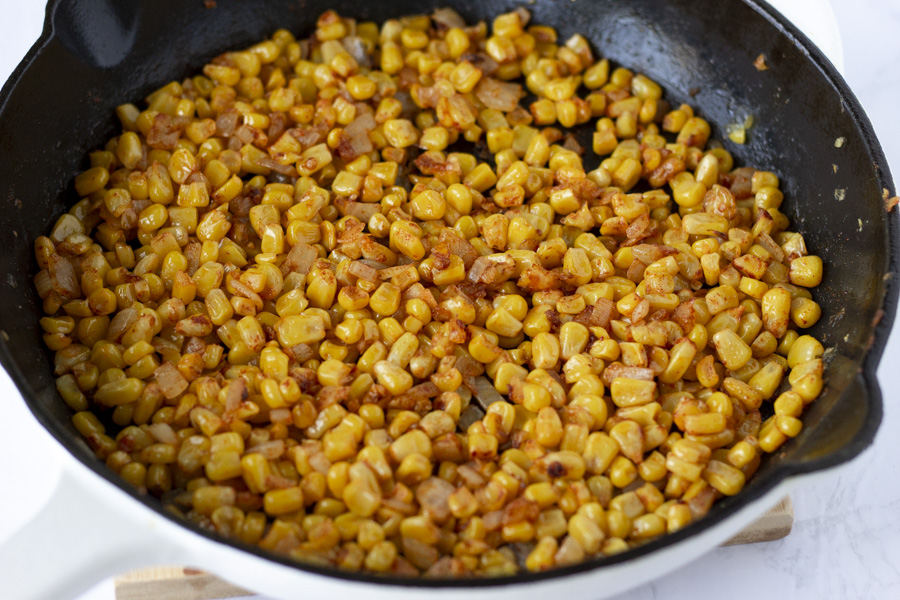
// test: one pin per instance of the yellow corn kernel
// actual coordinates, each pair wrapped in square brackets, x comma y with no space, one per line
[90,181]
[731,349]
[395,379]
[632,392]
[806,271]
[805,312]
[283,501]
[400,133]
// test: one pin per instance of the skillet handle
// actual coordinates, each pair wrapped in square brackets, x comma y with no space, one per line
[847,428]
[101,33]
[75,541]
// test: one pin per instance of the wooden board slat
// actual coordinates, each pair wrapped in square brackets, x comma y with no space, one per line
[773,525]
[179,583]
[174,583]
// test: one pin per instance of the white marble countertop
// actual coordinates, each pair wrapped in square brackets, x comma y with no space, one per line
[846,538]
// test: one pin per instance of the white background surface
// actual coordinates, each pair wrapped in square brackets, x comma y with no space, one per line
[846,538]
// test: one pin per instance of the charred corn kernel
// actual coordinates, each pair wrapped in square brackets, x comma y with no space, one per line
[462,503]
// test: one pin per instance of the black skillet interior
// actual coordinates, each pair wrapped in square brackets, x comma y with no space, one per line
[96,54]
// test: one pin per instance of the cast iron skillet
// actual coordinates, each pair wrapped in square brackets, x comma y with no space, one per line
[95,54]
